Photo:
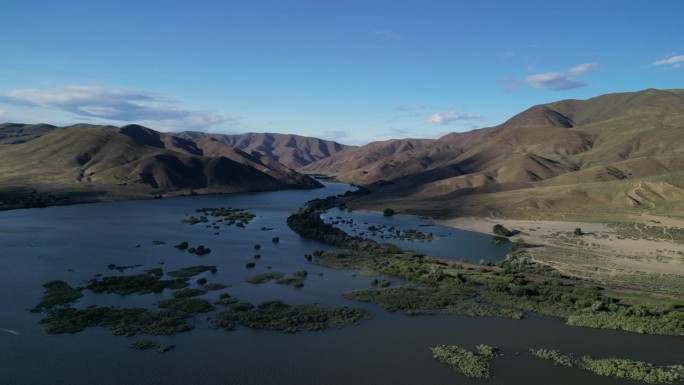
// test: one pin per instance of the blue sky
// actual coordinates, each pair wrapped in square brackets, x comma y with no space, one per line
[352,71]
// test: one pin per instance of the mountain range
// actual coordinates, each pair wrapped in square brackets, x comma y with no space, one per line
[614,154]
[106,162]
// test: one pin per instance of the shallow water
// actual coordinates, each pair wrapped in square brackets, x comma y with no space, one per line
[447,242]
[76,242]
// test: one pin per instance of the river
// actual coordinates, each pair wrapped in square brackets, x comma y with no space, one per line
[74,243]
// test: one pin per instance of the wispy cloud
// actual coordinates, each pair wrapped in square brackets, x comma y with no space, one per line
[674,61]
[116,104]
[450,117]
[510,84]
[560,81]
[583,68]
[385,34]
[335,135]
[409,108]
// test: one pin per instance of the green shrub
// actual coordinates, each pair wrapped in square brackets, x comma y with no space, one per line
[502,231]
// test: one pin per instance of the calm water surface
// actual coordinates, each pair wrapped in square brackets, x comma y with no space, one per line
[76,242]
[447,242]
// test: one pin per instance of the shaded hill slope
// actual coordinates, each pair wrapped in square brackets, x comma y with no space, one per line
[570,155]
[293,151]
[133,160]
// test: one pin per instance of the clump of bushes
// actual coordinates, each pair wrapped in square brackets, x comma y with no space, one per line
[186,305]
[265,277]
[502,231]
[472,365]
[616,367]
[57,293]
[276,315]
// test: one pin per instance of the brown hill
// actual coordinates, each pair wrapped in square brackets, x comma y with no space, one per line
[133,160]
[12,133]
[570,156]
[292,151]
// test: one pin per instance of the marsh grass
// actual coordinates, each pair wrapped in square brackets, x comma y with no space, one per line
[616,367]
[470,364]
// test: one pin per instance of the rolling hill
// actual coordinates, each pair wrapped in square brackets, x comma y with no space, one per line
[292,151]
[616,153]
[110,162]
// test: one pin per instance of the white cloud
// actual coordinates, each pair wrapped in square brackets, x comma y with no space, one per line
[582,68]
[116,104]
[559,81]
[675,61]
[449,117]
[554,80]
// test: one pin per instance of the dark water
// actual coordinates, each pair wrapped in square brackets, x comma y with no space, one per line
[74,243]
[447,242]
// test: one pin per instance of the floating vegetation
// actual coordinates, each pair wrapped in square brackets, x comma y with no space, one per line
[192,271]
[616,367]
[275,240]
[57,293]
[294,282]
[158,242]
[121,268]
[186,305]
[225,299]
[188,292]
[182,246]
[201,250]
[164,348]
[275,315]
[300,273]
[134,284]
[195,220]
[250,265]
[215,286]
[127,322]
[230,216]
[143,345]
[472,365]
[265,277]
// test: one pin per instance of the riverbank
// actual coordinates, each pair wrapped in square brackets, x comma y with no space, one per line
[645,253]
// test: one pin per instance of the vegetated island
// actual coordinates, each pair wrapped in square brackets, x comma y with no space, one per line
[176,314]
[514,286]
[470,364]
[616,367]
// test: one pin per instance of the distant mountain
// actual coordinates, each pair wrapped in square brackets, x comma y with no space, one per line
[292,151]
[613,153]
[373,162]
[132,160]
[12,133]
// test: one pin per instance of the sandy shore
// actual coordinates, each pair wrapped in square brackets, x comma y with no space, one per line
[615,255]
